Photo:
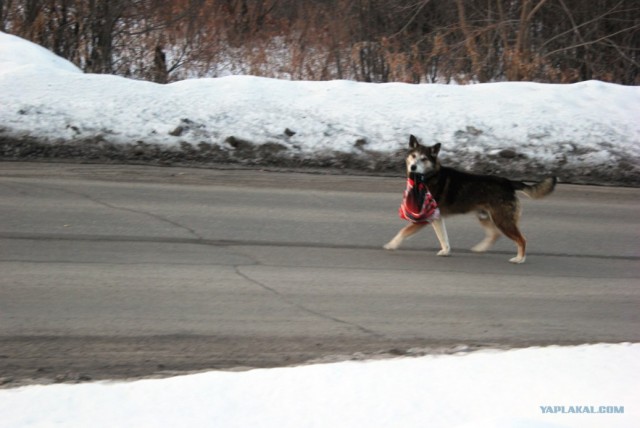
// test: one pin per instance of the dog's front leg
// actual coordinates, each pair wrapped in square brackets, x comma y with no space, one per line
[404,233]
[441,233]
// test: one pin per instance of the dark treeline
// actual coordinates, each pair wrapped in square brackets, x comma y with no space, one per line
[557,41]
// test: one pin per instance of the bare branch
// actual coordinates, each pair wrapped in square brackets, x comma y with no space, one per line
[591,42]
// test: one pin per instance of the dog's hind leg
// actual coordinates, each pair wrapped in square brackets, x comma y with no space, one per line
[441,233]
[492,233]
[404,233]
[507,221]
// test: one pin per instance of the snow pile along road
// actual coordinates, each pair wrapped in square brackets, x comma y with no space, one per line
[584,132]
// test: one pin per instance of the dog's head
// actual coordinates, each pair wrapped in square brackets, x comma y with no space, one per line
[422,159]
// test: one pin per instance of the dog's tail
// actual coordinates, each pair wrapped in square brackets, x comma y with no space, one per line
[538,190]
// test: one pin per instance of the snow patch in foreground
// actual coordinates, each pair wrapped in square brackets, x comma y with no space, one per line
[534,387]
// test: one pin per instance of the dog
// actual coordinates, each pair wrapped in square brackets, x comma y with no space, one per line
[492,198]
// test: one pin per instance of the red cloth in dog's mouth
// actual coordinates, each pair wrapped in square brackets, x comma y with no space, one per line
[418,206]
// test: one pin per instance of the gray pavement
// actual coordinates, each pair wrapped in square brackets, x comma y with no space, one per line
[129,271]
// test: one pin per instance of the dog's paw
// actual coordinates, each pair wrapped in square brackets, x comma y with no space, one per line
[517,260]
[390,246]
[444,253]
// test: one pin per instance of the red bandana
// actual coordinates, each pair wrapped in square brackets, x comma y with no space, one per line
[418,206]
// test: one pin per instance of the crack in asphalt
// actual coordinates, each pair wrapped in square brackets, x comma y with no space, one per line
[158,217]
[252,243]
[297,305]
[95,200]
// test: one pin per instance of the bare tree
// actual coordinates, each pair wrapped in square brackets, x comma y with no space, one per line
[369,40]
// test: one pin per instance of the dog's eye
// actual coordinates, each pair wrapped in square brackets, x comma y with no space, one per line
[413,156]
[423,158]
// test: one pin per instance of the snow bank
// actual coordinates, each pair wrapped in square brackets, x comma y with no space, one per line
[20,56]
[585,132]
[581,386]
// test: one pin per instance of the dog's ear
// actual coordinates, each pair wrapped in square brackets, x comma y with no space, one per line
[435,149]
[413,142]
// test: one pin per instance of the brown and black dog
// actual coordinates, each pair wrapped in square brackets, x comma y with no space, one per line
[492,198]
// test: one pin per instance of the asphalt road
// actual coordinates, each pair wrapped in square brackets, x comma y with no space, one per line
[126,271]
